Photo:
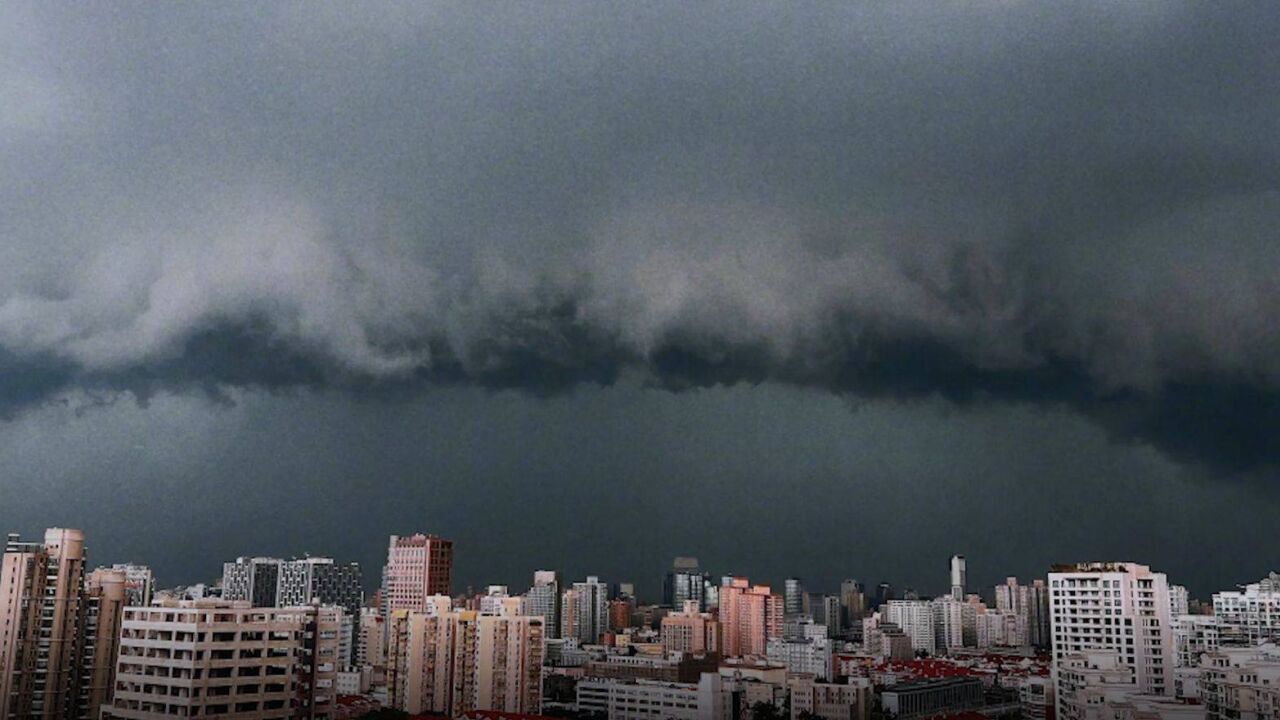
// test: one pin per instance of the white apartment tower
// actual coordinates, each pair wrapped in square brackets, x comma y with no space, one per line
[543,600]
[1115,606]
[915,618]
[958,577]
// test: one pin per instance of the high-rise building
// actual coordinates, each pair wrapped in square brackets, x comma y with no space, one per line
[685,581]
[1117,606]
[54,628]
[105,597]
[1179,600]
[139,582]
[1030,603]
[369,649]
[216,658]
[958,577]
[916,620]
[620,611]
[450,662]
[884,593]
[830,612]
[793,598]
[1038,623]
[954,623]
[418,567]
[690,631]
[585,611]
[321,580]
[853,602]
[749,615]
[543,600]
[252,580]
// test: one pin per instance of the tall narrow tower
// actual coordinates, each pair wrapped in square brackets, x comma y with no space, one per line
[53,630]
[957,577]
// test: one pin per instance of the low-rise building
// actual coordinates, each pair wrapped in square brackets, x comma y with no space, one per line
[830,701]
[926,698]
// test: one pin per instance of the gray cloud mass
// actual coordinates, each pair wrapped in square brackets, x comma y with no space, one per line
[1072,206]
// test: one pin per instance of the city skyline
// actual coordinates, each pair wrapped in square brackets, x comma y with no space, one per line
[823,290]
[648,590]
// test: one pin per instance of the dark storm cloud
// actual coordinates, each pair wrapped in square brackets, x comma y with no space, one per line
[1072,206]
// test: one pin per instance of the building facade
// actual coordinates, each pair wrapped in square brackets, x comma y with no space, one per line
[58,628]
[1118,607]
[543,600]
[252,580]
[750,615]
[690,631]
[418,567]
[226,659]
[450,662]
[1252,613]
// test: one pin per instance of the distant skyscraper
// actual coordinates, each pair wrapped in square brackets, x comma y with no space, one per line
[1116,606]
[543,600]
[1030,603]
[1038,625]
[252,580]
[958,577]
[884,593]
[853,602]
[685,581]
[319,579]
[585,611]
[794,600]
[749,615]
[418,567]
[832,615]
[1179,600]
[139,582]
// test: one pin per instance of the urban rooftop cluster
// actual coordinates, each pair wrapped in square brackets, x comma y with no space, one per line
[273,639]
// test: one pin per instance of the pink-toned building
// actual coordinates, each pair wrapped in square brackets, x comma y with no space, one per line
[749,616]
[418,567]
[690,631]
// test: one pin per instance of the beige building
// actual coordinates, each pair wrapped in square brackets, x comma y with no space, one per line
[830,701]
[106,594]
[690,631]
[451,662]
[54,631]
[1241,682]
[226,659]
[370,649]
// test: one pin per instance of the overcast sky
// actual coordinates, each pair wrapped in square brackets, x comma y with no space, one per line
[833,290]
